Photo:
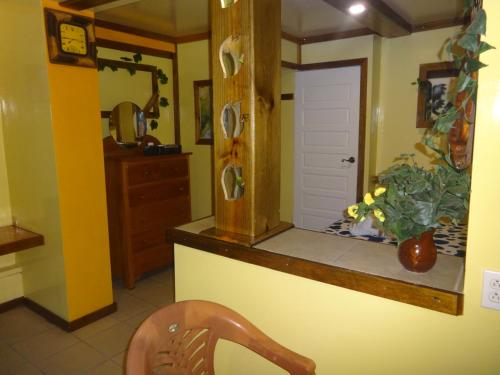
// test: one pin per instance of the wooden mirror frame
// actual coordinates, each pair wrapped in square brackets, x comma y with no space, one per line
[153,101]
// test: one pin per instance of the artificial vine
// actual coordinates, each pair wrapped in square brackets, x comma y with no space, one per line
[137,58]
[457,120]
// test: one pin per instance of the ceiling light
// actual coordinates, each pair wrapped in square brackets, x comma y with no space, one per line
[357,9]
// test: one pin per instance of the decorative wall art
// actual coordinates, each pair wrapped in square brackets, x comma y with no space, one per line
[434,82]
[203,112]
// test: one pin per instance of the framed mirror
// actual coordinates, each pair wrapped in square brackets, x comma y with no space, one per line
[127,124]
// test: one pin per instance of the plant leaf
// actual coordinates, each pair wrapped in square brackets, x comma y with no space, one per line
[137,57]
[483,47]
[472,65]
[164,102]
[478,24]
[153,124]
[469,42]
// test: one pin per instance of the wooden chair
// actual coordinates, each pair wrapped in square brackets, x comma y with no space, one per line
[180,339]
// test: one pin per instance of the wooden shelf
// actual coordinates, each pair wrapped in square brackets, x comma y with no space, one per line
[13,239]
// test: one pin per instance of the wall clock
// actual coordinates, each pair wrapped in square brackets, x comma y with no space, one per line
[70,39]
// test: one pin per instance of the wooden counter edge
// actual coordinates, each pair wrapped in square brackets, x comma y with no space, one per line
[418,295]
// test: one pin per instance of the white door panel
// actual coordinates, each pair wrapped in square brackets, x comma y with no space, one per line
[326,132]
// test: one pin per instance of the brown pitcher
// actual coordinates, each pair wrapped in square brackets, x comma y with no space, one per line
[418,255]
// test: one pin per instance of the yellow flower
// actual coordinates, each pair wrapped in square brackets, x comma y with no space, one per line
[352,211]
[368,199]
[379,215]
[363,218]
[379,191]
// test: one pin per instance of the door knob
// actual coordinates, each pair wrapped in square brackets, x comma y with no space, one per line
[350,160]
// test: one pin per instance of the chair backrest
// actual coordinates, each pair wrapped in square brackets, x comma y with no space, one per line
[180,339]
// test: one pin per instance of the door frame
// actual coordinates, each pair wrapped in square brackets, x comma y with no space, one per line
[363,64]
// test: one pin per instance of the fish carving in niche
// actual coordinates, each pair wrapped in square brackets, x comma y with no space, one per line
[230,56]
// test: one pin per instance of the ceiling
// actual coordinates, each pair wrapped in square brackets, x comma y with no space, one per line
[300,18]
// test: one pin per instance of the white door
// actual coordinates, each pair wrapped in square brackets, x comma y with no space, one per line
[326,144]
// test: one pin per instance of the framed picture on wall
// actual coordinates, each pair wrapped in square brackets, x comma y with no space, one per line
[203,112]
[435,81]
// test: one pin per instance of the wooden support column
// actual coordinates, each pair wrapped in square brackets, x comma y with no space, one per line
[247,209]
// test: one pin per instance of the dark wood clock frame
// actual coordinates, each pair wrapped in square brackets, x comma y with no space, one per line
[53,18]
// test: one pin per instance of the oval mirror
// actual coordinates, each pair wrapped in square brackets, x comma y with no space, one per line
[127,123]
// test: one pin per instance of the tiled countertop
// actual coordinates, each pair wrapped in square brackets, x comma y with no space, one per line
[352,263]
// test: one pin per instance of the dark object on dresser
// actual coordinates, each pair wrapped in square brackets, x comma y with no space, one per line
[146,195]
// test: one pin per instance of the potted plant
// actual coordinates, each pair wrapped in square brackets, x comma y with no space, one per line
[410,202]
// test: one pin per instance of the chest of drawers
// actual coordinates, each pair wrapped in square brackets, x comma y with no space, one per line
[145,195]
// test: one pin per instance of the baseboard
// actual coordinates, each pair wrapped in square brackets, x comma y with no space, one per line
[11,304]
[55,319]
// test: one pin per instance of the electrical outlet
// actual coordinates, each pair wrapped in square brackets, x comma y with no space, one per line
[491,290]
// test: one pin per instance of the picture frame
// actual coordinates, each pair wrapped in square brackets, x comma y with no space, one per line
[203,112]
[434,82]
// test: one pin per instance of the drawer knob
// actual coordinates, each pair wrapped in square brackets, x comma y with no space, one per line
[181,189]
[147,173]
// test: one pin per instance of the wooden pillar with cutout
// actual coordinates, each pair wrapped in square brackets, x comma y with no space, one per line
[246,69]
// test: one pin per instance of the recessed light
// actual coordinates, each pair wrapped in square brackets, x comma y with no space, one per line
[357,9]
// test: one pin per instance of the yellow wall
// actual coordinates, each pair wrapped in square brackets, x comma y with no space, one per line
[193,66]
[120,86]
[400,63]
[347,332]
[82,196]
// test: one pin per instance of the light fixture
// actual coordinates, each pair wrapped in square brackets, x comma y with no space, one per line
[357,9]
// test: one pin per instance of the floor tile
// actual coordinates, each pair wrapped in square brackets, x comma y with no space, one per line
[76,360]
[107,368]
[25,369]
[136,320]
[155,293]
[128,306]
[21,323]
[44,345]
[119,359]
[113,340]
[96,327]
[9,359]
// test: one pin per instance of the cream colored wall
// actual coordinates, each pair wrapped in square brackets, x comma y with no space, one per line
[400,62]
[120,86]
[29,150]
[193,60]
[347,332]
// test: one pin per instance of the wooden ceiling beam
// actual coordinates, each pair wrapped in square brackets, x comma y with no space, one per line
[378,17]
[84,4]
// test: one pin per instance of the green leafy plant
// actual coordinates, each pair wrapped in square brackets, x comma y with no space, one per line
[410,200]
[464,49]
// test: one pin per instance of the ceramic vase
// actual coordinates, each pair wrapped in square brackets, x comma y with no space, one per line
[418,255]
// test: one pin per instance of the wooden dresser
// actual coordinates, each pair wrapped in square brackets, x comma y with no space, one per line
[145,196]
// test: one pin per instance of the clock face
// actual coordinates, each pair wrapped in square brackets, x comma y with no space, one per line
[73,39]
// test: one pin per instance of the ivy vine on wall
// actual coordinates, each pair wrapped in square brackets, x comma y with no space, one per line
[137,58]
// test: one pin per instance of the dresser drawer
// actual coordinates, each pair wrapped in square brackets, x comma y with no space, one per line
[163,214]
[150,238]
[154,170]
[158,192]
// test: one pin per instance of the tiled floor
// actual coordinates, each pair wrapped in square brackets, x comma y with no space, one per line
[29,345]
